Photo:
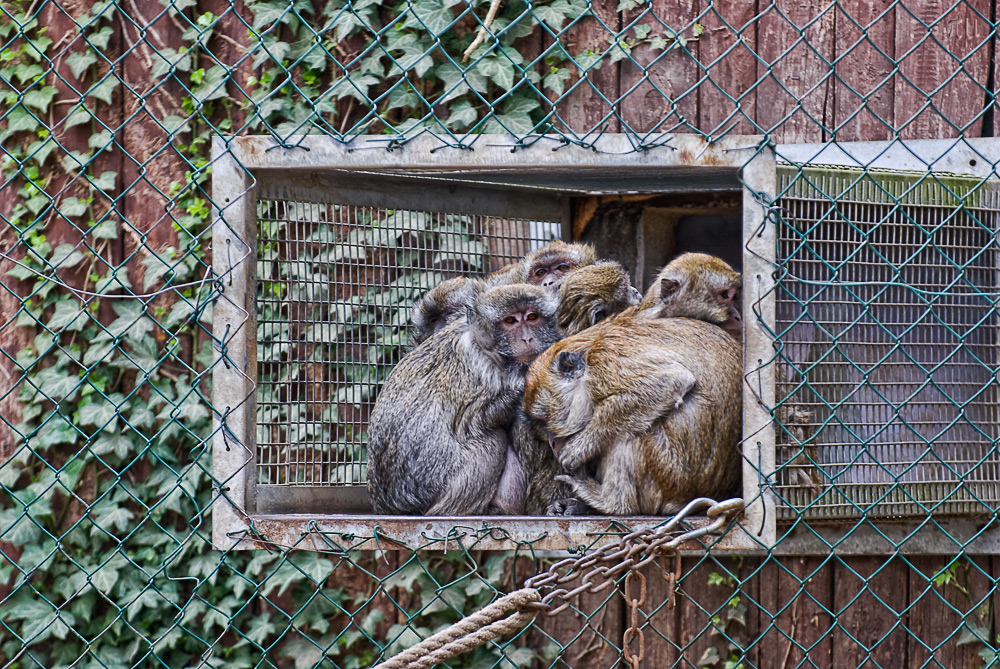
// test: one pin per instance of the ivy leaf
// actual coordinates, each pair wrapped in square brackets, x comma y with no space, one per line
[67,316]
[619,51]
[72,207]
[100,39]
[100,413]
[107,575]
[266,13]
[106,229]
[178,5]
[462,116]
[104,89]
[100,140]
[165,60]
[554,15]
[105,182]
[57,384]
[415,56]
[556,81]
[626,5]
[658,42]
[642,30]
[110,517]
[20,119]
[430,15]
[356,86]
[458,82]
[213,85]
[98,350]
[74,160]
[28,72]
[156,267]
[65,256]
[39,151]
[112,442]
[589,60]
[36,48]
[497,69]
[80,62]
[78,116]
[403,96]
[142,355]
[270,49]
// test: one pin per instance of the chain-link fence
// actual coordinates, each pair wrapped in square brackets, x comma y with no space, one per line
[874,365]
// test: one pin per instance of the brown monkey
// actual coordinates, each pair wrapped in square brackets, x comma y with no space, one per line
[442,305]
[437,436]
[652,406]
[590,294]
[697,285]
[546,266]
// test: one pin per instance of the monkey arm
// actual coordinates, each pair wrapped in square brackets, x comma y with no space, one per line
[630,411]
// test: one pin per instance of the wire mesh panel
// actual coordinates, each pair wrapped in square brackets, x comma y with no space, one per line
[335,285]
[886,314]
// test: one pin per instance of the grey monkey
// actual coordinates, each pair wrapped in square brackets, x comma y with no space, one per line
[441,305]
[437,436]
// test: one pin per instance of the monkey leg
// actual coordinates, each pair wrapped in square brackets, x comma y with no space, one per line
[472,479]
[616,493]
[627,413]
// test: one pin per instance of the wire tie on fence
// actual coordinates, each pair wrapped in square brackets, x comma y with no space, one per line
[470,632]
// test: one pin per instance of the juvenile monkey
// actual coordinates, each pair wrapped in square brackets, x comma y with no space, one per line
[590,294]
[437,436]
[442,305]
[547,266]
[697,285]
[651,406]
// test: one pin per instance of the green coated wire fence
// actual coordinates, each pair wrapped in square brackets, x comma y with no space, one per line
[886,342]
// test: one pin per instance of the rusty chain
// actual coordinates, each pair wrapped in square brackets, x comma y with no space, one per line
[634,630]
[630,553]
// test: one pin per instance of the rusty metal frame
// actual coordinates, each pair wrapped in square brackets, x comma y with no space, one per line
[545,169]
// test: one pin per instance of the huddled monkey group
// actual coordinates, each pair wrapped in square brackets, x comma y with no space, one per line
[552,386]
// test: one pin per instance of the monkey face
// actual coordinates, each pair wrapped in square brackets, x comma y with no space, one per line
[548,272]
[731,321]
[523,328]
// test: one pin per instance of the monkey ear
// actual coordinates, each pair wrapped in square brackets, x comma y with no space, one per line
[668,287]
[479,325]
[598,314]
[571,365]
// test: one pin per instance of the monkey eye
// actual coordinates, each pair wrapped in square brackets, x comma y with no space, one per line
[541,271]
[564,267]
[531,316]
[510,320]
[434,319]
[726,294]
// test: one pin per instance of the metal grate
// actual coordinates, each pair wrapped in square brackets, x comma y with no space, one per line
[335,284]
[888,353]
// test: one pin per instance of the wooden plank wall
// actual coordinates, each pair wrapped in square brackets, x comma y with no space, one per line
[856,70]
